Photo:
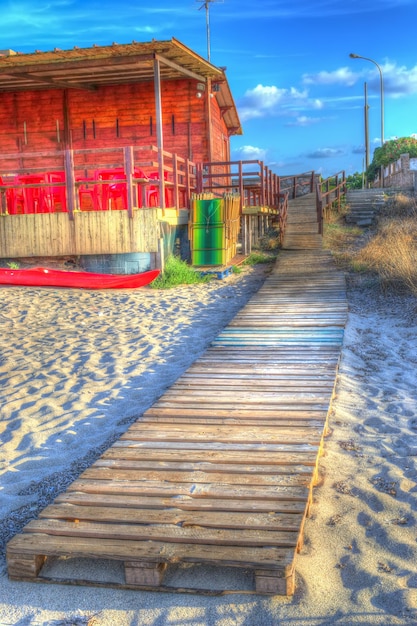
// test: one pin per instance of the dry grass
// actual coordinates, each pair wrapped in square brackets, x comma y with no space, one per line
[390,252]
[340,238]
[399,206]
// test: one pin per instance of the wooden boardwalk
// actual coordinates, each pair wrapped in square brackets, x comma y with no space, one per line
[220,470]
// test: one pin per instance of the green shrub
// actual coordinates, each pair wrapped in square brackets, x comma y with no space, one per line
[354,181]
[177,272]
[389,153]
[256,257]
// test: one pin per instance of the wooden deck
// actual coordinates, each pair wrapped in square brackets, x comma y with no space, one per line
[220,470]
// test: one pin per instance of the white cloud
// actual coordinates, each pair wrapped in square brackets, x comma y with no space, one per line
[248,153]
[398,80]
[325,153]
[304,120]
[270,101]
[342,76]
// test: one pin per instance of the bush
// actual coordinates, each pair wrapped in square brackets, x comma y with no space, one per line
[177,272]
[354,181]
[256,257]
[392,253]
[389,153]
[400,206]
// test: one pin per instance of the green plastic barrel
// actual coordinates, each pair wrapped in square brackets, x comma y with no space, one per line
[207,244]
[208,212]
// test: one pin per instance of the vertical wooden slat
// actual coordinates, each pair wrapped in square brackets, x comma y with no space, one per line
[159,130]
[70,182]
[129,167]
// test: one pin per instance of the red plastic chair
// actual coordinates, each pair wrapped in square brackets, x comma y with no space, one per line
[152,196]
[89,195]
[114,194]
[9,195]
[30,199]
[57,196]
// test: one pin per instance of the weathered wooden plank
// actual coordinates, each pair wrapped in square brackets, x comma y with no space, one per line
[258,421]
[171,533]
[113,473]
[250,383]
[270,557]
[208,519]
[183,440]
[190,468]
[273,413]
[183,502]
[172,432]
[257,457]
[297,493]
[187,446]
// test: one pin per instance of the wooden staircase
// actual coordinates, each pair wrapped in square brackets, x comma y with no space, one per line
[302,229]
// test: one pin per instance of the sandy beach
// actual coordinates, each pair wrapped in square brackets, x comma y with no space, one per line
[78,367]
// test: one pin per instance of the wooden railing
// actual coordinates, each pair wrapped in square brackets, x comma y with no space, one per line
[329,195]
[256,185]
[171,178]
[297,184]
[254,181]
[283,213]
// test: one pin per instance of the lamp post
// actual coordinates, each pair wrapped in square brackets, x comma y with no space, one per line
[381,83]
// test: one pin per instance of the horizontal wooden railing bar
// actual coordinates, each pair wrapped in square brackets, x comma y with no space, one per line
[78,167]
[329,194]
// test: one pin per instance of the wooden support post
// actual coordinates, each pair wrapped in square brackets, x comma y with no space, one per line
[70,180]
[129,169]
[188,183]
[159,131]
[270,582]
[262,174]
[246,234]
[142,573]
[241,187]
[24,566]
[160,255]
[176,190]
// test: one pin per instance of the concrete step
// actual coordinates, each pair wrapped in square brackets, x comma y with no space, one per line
[363,205]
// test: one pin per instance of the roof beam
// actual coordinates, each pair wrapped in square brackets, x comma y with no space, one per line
[51,81]
[179,68]
[62,64]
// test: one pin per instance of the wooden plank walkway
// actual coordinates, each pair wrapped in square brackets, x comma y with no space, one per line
[220,470]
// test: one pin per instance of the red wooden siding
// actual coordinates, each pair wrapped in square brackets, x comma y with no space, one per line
[112,116]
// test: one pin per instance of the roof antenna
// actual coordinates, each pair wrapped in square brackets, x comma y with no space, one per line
[206,6]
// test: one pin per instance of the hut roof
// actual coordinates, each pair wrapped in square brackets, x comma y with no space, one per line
[90,68]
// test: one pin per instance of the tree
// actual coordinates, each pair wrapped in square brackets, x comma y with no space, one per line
[389,153]
[354,181]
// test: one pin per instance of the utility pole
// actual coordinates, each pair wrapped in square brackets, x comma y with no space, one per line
[366,128]
[206,6]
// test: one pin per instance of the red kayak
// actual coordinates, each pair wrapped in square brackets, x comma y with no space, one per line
[44,277]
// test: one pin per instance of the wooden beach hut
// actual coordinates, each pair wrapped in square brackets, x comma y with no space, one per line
[100,148]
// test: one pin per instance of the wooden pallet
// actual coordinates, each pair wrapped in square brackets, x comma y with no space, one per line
[220,470]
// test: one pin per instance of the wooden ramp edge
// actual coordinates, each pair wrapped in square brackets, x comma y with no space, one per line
[219,471]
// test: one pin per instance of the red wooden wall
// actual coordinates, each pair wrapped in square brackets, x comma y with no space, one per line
[112,116]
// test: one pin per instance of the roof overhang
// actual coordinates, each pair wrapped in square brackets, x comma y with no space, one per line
[91,68]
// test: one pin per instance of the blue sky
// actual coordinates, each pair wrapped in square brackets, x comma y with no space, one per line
[299,95]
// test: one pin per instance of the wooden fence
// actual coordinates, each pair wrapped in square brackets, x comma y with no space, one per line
[329,194]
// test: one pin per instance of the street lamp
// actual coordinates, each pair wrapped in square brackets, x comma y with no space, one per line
[381,79]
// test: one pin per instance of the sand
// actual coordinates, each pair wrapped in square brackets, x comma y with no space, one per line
[77,367]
